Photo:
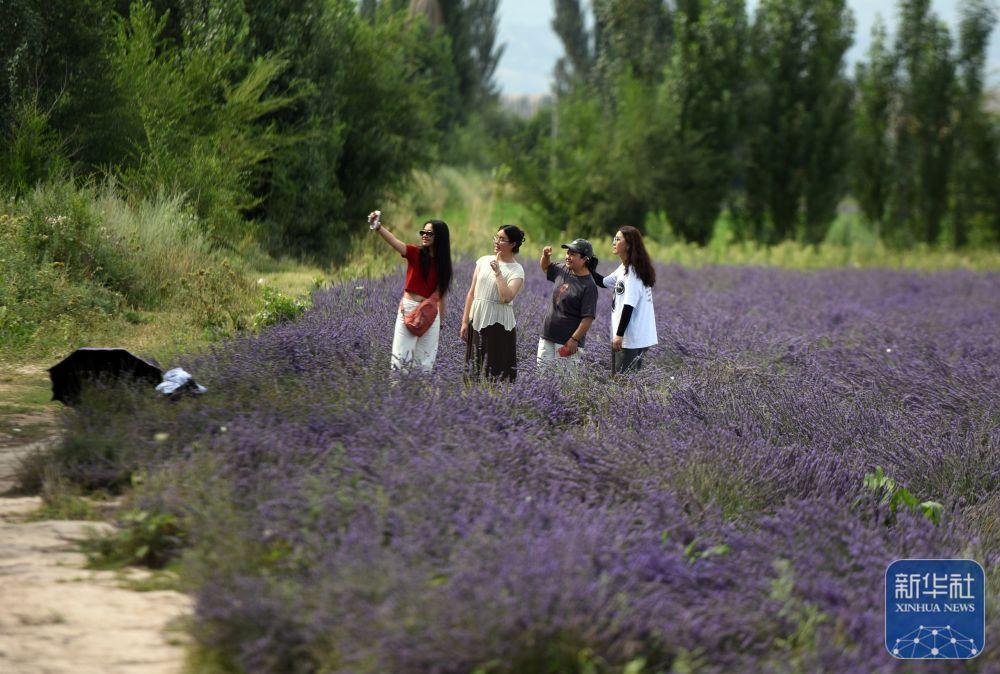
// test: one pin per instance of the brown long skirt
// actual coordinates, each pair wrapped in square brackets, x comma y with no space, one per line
[492,351]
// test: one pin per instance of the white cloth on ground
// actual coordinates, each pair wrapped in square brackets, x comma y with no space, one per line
[178,378]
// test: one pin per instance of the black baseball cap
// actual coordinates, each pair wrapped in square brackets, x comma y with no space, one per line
[580,246]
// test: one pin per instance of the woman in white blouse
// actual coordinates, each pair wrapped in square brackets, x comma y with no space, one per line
[633,321]
[488,325]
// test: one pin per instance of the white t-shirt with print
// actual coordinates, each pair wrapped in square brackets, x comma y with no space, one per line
[628,288]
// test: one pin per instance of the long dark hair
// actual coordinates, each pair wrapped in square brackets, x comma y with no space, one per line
[442,256]
[638,258]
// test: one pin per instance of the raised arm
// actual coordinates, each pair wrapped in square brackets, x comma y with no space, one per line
[507,291]
[546,258]
[387,235]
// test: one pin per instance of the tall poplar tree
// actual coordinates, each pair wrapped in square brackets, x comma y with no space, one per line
[872,166]
[694,137]
[800,114]
[975,193]
[925,128]
[570,26]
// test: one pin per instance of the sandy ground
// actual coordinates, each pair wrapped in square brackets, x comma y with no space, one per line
[56,616]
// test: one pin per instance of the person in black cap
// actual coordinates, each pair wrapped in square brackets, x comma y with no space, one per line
[574,303]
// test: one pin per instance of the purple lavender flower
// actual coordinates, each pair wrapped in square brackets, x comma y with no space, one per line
[708,513]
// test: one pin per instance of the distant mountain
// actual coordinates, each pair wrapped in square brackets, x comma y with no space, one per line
[524,105]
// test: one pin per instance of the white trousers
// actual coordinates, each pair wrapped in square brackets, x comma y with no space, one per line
[548,356]
[407,348]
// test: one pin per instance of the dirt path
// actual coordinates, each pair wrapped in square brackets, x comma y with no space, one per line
[57,617]
[28,419]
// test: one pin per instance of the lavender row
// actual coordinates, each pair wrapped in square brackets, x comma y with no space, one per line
[706,514]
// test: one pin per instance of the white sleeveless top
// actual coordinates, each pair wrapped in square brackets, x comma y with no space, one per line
[486,306]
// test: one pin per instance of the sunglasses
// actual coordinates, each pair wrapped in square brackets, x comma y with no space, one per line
[424,232]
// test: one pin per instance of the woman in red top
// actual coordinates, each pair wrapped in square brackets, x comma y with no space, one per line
[428,271]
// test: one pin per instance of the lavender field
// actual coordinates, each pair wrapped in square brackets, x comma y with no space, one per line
[709,515]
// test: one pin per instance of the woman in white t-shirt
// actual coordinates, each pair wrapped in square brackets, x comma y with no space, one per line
[488,325]
[633,323]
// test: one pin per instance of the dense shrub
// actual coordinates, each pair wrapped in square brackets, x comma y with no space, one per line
[710,514]
[77,262]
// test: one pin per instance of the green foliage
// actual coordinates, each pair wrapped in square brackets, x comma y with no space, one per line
[692,554]
[39,297]
[195,108]
[804,618]
[78,263]
[569,24]
[277,122]
[848,231]
[697,126]
[219,298]
[762,121]
[53,58]
[975,189]
[32,151]
[871,167]
[278,308]
[471,28]
[62,500]
[632,38]
[926,152]
[142,538]
[644,134]
[896,497]
[801,109]
[479,141]
[374,99]
[582,165]
[924,139]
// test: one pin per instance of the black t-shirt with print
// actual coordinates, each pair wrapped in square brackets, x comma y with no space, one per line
[574,298]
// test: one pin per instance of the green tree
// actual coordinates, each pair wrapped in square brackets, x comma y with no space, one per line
[569,25]
[364,100]
[471,30]
[196,106]
[872,166]
[631,37]
[975,191]
[52,57]
[31,150]
[373,96]
[925,130]
[486,52]
[800,102]
[695,132]
[591,177]
[650,119]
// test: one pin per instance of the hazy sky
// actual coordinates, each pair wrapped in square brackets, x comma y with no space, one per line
[532,48]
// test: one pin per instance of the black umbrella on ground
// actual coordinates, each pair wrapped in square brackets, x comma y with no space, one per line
[88,364]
